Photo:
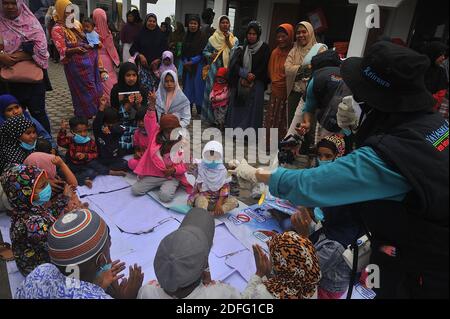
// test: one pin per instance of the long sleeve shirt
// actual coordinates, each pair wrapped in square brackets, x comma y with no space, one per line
[358,177]
[89,149]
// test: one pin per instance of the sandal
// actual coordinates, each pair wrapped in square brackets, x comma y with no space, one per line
[6,253]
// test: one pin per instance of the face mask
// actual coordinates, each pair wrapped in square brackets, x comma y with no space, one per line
[323,163]
[28,147]
[318,214]
[44,196]
[211,164]
[105,267]
[80,139]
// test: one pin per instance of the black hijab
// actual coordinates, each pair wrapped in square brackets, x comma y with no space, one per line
[194,42]
[150,43]
[122,86]
[435,77]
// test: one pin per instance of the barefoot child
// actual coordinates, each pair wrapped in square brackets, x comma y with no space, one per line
[161,166]
[140,139]
[212,187]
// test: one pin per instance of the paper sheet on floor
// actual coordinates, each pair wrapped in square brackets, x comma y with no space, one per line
[225,243]
[103,184]
[243,262]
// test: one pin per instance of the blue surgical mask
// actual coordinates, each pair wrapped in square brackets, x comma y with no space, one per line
[323,163]
[44,196]
[212,164]
[318,214]
[28,147]
[102,269]
[80,139]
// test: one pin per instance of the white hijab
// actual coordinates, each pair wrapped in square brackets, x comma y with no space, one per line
[212,179]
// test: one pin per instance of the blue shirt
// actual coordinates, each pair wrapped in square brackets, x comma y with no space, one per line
[358,177]
[47,282]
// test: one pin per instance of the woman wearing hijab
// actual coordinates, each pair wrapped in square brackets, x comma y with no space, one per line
[176,44]
[293,273]
[34,212]
[276,116]
[150,42]
[108,53]
[192,60]
[296,85]
[129,81]
[80,62]
[217,53]
[25,40]
[249,79]
[129,32]
[170,99]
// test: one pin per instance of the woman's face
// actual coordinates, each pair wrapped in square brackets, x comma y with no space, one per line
[151,23]
[224,25]
[193,26]
[252,36]
[303,36]
[10,9]
[325,154]
[13,110]
[130,18]
[69,15]
[163,27]
[131,78]
[282,40]
[169,83]
[440,60]
[29,136]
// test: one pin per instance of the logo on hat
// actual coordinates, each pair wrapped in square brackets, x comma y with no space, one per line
[374,77]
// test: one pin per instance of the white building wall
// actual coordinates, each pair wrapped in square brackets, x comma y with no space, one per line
[400,20]
[184,7]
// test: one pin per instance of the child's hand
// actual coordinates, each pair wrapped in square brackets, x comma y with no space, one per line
[251,77]
[152,100]
[106,130]
[139,99]
[57,161]
[65,125]
[103,102]
[80,156]
[138,154]
[110,276]
[68,190]
[132,98]
[169,172]
[301,221]
[263,264]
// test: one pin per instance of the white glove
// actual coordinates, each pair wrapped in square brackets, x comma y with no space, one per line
[346,115]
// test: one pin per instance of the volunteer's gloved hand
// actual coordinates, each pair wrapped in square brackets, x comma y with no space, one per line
[346,116]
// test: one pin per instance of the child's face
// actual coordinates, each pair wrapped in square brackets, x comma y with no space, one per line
[13,110]
[169,83]
[167,62]
[81,129]
[325,154]
[29,136]
[131,78]
[41,183]
[140,124]
[88,27]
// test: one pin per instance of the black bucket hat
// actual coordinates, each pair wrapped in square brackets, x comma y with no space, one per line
[390,78]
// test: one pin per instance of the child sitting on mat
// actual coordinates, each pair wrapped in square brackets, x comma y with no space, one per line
[161,166]
[212,187]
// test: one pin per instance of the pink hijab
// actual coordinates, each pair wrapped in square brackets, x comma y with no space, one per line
[42,161]
[101,26]
[22,29]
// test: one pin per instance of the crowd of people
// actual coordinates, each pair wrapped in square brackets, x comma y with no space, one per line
[378,127]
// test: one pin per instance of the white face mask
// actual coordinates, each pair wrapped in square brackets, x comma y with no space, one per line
[70,20]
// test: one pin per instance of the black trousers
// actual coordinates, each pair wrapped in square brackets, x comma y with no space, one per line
[87,171]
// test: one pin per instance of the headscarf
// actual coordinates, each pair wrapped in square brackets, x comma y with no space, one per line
[217,40]
[212,179]
[122,86]
[337,141]
[277,60]
[163,68]
[22,29]
[42,161]
[296,266]
[10,132]
[72,35]
[5,101]
[176,101]
[222,73]
[19,182]
[298,53]
[77,237]
[101,26]
[194,43]
[435,77]
[252,49]
[150,43]
[130,31]
[178,34]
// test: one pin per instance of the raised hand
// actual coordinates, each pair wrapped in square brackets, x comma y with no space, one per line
[107,278]
[65,125]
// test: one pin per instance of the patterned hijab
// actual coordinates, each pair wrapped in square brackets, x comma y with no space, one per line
[339,142]
[18,183]
[296,267]
[72,35]
[10,132]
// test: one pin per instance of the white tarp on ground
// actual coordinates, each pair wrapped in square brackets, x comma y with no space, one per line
[230,260]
